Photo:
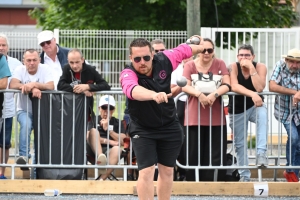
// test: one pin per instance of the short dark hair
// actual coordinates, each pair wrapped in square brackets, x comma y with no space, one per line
[139,42]
[247,47]
[30,51]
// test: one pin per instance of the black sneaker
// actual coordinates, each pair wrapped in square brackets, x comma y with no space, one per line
[22,160]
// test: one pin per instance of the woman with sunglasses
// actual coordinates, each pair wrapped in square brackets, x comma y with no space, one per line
[210,120]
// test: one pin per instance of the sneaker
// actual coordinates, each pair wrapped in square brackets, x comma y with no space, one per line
[261,160]
[101,160]
[290,176]
[22,160]
[2,176]
[244,179]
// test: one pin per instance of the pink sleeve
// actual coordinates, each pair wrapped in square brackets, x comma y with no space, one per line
[176,55]
[128,80]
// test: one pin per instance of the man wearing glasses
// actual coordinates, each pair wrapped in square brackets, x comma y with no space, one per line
[247,79]
[158,45]
[81,78]
[53,55]
[285,80]
[108,135]
[154,128]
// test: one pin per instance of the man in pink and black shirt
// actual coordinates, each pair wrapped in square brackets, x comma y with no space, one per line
[154,128]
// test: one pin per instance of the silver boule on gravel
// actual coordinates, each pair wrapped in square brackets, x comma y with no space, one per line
[181,81]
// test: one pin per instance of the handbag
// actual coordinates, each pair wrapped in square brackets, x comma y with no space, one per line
[206,83]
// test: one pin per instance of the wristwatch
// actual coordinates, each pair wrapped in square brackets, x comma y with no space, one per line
[216,95]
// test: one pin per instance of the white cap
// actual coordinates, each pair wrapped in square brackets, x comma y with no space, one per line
[45,36]
[107,99]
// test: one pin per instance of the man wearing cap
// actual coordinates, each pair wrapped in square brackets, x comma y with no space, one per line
[110,136]
[285,80]
[53,55]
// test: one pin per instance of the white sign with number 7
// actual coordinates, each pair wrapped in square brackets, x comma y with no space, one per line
[261,189]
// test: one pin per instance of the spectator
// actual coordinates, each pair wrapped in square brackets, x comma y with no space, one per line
[8,110]
[110,134]
[248,78]
[154,129]
[158,45]
[81,78]
[175,89]
[285,80]
[53,55]
[32,77]
[213,133]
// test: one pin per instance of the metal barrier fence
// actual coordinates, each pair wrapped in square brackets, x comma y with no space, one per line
[275,149]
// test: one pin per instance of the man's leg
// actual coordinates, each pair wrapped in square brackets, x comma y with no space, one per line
[93,138]
[164,181]
[25,121]
[7,127]
[259,116]
[239,132]
[144,184]
[114,153]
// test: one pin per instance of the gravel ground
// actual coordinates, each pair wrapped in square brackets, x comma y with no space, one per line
[130,197]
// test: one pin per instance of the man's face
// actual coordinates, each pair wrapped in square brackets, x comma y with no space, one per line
[3,46]
[141,58]
[31,61]
[293,65]
[104,111]
[245,54]
[158,47]
[75,61]
[49,47]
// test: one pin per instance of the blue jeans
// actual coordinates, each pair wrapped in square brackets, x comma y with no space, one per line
[25,132]
[293,133]
[240,134]
[7,133]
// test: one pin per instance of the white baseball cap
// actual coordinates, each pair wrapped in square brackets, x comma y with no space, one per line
[107,99]
[45,36]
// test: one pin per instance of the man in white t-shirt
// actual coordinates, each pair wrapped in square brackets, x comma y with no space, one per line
[8,111]
[31,77]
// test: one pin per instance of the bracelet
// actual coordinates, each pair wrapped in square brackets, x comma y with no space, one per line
[199,95]
[229,87]
[104,141]
[253,74]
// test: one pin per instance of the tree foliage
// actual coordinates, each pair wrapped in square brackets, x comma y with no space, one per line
[160,14]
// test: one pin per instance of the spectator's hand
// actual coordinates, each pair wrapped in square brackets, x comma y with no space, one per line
[296,98]
[246,63]
[88,93]
[211,98]
[36,93]
[80,88]
[113,143]
[257,100]
[204,100]
[104,124]
[26,88]
[161,97]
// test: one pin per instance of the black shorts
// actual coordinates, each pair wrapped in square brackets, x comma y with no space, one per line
[160,145]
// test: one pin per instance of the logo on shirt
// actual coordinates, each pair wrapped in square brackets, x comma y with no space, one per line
[125,75]
[90,82]
[162,74]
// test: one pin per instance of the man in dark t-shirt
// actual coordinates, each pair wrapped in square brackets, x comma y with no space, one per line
[111,133]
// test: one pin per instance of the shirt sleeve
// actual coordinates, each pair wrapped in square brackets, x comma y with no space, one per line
[128,80]
[178,54]
[48,74]
[276,76]
[4,69]
[18,73]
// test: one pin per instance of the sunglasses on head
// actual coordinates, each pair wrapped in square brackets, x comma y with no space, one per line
[158,50]
[106,107]
[46,42]
[138,59]
[209,50]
